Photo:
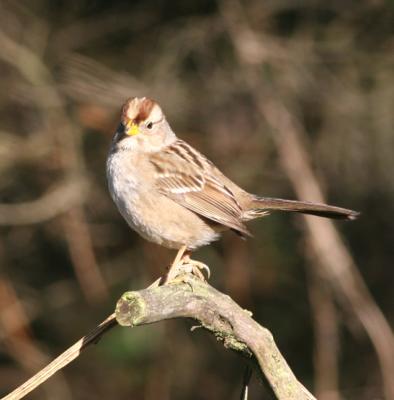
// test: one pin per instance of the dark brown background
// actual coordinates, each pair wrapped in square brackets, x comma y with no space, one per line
[66,68]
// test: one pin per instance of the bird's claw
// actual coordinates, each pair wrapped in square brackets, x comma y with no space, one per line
[197,269]
[187,266]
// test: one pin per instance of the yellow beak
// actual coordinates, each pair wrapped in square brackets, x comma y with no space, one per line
[132,129]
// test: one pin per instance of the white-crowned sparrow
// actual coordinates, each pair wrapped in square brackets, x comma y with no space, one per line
[173,195]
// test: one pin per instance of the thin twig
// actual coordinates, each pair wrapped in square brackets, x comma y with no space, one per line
[64,359]
[20,343]
[245,383]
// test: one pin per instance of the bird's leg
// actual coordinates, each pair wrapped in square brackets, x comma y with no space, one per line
[175,267]
[184,264]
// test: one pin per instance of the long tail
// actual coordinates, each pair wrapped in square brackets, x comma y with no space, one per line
[263,205]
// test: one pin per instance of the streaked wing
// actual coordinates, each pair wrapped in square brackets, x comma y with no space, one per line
[184,175]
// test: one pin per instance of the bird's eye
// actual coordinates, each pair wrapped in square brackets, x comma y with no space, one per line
[149,125]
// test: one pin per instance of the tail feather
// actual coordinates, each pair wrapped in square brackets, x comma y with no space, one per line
[263,205]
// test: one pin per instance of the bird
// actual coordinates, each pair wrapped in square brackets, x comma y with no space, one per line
[174,196]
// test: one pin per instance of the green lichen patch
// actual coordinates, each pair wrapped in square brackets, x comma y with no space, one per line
[130,309]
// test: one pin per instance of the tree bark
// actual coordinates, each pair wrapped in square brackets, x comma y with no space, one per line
[219,314]
[189,298]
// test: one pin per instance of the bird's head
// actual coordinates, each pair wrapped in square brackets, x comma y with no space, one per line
[143,126]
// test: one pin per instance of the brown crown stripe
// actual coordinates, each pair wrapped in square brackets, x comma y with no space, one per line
[144,109]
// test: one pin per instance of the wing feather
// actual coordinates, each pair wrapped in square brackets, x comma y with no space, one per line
[185,176]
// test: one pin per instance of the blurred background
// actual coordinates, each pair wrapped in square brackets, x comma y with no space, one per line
[289,98]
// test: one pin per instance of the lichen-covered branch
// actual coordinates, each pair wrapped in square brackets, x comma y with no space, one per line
[219,314]
[190,298]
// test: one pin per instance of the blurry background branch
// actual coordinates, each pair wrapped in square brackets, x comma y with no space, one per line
[322,237]
[337,265]
[57,201]
[67,142]
[326,335]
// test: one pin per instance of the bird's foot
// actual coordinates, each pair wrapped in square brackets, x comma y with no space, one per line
[196,268]
[184,265]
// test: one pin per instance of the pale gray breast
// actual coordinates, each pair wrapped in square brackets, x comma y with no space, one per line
[124,183]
